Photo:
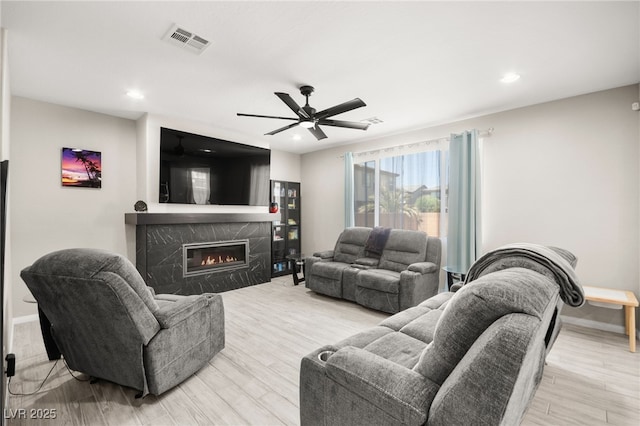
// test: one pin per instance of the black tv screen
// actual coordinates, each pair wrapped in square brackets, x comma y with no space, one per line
[198,169]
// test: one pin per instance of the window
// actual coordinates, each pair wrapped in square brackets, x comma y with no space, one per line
[406,192]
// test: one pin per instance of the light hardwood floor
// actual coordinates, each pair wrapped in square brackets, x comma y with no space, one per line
[590,378]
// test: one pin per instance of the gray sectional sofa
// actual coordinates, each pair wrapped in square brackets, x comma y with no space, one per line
[387,270]
[473,357]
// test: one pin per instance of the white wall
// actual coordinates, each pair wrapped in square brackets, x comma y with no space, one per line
[285,166]
[48,217]
[563,173]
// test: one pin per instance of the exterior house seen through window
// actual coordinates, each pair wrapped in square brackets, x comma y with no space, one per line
[403,192]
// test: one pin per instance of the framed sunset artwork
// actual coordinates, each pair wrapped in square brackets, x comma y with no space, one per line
[81,168]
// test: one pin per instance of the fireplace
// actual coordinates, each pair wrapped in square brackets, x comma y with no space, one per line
[160,258]
[205,258]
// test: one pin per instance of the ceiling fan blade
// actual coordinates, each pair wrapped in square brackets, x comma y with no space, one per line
[339,109]
[292,104]
[267,116]
[347,124]
[282,129]
[317,132]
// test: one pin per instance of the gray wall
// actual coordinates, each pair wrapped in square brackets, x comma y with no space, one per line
[562,173]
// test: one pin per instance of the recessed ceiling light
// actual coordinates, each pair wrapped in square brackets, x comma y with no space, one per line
[135,94]
[510,77]
[296,137]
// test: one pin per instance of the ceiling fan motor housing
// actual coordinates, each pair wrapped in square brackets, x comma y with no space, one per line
[306,90]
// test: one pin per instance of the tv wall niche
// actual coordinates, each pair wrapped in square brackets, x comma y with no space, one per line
[196,169]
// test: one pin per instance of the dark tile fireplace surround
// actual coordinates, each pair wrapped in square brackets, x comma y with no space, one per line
[218,251]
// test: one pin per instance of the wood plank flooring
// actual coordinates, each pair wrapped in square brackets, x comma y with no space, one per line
[590,378]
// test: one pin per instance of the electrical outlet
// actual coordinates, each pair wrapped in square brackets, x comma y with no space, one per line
[11,365]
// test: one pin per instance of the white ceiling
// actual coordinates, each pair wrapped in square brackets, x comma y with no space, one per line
[415,64]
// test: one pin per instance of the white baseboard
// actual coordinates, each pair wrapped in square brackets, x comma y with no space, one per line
[613,328]
[26,318]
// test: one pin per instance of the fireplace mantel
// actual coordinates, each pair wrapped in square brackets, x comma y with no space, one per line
[185,218]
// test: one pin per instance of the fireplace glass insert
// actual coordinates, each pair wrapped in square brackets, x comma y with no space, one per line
[205,258]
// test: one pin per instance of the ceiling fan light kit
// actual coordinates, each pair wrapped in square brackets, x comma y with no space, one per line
[308,118]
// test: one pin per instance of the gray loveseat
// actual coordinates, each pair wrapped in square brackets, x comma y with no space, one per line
[97,312]
[389,275]
[474,357]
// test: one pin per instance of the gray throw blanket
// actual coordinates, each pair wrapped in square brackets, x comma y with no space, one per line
[377,240]
[545,260]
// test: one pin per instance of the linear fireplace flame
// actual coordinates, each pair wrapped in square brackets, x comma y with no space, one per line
[213,261]
[205,258]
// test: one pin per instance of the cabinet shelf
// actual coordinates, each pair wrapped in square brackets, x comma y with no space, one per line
[286,230]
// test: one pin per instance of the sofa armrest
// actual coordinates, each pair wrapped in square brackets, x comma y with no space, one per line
[327,254]
[423,267]
[398,391]
[178,309]
[416,287]
[455,287]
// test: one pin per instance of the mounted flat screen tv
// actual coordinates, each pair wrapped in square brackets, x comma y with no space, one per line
[202,170]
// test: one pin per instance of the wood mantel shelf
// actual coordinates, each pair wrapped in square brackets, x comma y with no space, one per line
[182,218]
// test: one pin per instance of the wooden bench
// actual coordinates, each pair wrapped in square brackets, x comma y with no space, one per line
[617,297]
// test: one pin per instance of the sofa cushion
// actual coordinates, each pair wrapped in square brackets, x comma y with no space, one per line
[330,270]
[397,347]
[350,245]
[402,318]
[379,279]
[364,338]
[419,321]
[402,249]
[423,327]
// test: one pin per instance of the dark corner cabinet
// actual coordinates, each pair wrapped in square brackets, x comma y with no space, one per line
[286,231]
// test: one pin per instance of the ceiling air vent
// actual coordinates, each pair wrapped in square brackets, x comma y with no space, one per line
[186,39]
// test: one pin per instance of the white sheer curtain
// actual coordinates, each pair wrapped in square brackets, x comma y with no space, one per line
[403,187]
[349,204]
[259,185]
[199,185]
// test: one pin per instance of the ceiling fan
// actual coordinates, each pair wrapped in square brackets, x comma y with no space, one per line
[308,118]
[178,150]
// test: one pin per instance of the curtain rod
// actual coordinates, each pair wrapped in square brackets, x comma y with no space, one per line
[485,133]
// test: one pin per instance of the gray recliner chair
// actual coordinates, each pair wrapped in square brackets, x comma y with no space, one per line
[97,312]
